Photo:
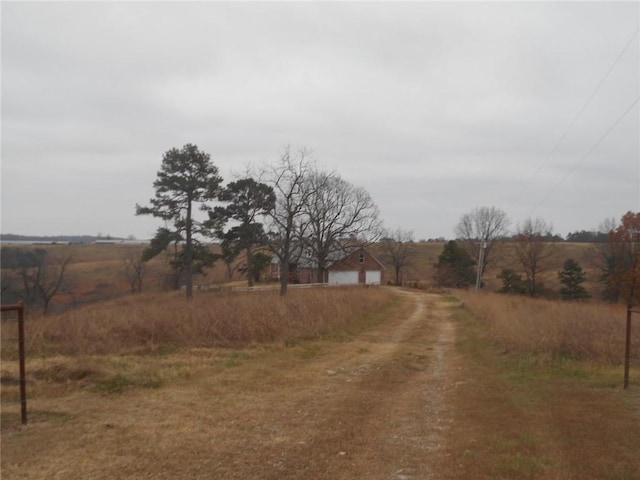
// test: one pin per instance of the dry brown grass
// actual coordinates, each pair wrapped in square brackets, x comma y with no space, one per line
[403,392]
[228,319]
[425,256]
[96,271]
[270,411]
[589,331]
[530,414]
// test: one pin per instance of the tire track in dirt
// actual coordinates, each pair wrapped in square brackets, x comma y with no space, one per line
[372,407]
[379,415]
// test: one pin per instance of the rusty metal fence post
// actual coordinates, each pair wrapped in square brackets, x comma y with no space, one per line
[19,307]
[627,345]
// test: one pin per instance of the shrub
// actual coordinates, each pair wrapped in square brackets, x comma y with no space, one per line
[512,282]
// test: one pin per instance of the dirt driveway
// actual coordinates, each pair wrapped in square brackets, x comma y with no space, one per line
[372,408]
[369,407]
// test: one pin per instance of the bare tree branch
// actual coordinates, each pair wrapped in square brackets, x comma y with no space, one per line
[337,213]
[286,225]
[534,252]
[481,229]
[397,248]
[135,269]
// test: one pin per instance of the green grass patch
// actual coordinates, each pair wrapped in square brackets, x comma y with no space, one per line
[540,415]
[309,351]
[235,358]
[120,383]
[116,384]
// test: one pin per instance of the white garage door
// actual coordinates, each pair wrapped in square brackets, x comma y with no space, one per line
[343,278]
[372,277]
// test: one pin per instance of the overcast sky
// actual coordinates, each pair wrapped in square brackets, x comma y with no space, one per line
[433,107]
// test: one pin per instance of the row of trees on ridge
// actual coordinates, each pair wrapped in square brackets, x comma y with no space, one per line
[480,230]
[292,208]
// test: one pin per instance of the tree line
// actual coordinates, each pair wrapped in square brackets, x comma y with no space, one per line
[39,276]
[291,209]
[464,261]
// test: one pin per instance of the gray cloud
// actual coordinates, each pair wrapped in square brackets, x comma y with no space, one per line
[434,107]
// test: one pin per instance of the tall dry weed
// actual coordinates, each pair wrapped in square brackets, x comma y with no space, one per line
[210,319]
[589,331]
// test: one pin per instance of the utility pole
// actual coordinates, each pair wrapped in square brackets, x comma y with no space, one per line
[480,265]
[633,233]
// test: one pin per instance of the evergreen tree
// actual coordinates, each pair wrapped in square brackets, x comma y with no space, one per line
[512,282]
[249,201]
[455,267]
[610,292]
[186,177]
[572,278]
[260,262]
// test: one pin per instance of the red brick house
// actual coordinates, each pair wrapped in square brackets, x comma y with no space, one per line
[357,267]
[352,267]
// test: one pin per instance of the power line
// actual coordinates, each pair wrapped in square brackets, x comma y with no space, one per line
[591,150]
[578,115]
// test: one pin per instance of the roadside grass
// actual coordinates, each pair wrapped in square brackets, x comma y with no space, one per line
[202,412]
[150,322]
[98,350]
[96,272]
[537,413]
[570,330]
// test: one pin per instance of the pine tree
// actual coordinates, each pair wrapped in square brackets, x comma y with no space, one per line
[249,202]
[572,278]
[512,282]
[455,267]
[187,177]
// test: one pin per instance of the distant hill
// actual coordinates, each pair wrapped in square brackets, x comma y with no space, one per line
[9,238]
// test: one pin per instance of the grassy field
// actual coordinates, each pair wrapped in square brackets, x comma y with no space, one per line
[117,388]
[335,383]
[570,330]
[96,272]
[424,257]
[231,380]
[531,407]
[166,321]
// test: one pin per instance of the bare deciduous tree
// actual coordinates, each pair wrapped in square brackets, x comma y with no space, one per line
[286,225]
[397,248]
[607,225]
[6,283]
[43,277]
[480,229]
[135,269]
[337,211]
[534,252]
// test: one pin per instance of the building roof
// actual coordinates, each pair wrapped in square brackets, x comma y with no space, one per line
[305,258]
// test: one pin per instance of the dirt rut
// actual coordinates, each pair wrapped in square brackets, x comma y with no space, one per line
[373,408]
[370,407]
